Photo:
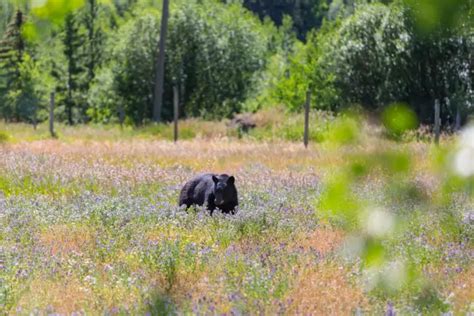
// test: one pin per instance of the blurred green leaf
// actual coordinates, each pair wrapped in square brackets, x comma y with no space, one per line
[344,131]
[399,118]
[374,254]
[55,10]
[29,31]
[441,15]
[360,168]
[339,203]
[395,162]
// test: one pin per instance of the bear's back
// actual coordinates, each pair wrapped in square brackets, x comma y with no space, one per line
[193,192]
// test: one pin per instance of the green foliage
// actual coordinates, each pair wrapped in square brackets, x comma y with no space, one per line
[398,119]
[391,234]
[133,66]
[11,56]
[345,130]
[55,11]
[293,84]
[376,57]
[65,44]
[72,41]
[369,55]
[337,203]
[441,15]
[4,137]
[166,131]
[84,36]
[272,86]
[307,14]
[289,126]
[105,103]
[6,11]
[102,57]
[24,100]
[211,57]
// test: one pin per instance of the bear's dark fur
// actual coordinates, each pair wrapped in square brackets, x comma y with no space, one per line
[212,190]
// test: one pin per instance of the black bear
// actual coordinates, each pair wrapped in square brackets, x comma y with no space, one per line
[212,190]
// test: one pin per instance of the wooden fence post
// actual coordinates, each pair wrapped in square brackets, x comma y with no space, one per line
[457,126]
[437,121]
[121,116]
[35,117]
[51,115]
[176,111]
[306,118]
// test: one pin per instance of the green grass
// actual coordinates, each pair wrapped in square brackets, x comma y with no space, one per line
[271,125]
[91,224]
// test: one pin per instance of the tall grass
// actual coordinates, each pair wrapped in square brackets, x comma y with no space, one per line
[91,225]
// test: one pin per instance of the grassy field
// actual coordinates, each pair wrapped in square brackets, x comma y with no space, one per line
[90,224]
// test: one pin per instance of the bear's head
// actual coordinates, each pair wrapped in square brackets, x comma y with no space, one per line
[224,189]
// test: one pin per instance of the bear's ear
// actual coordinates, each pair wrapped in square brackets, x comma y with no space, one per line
[215,179]
[231,180]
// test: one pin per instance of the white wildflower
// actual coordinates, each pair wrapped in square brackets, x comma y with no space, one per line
[378,222]
[395,274]
[464,158]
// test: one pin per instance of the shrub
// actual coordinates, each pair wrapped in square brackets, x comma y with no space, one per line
[213,54]
[4,137]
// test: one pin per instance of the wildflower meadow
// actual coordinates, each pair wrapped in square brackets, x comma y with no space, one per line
[92,226]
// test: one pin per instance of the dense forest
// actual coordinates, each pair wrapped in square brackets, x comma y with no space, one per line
[225,57]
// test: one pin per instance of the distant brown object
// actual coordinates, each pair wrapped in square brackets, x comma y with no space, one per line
[243,122]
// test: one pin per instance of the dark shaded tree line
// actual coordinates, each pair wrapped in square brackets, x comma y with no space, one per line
[306,14]
[101,59]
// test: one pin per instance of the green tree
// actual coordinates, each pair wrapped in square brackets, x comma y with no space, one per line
[306,14]
[160,71]
[123,6]
[376,57]
[213,55]
[133,66]
[12,51]
[6,12]
[370,56]
[25,98]
[72,42]
[91,16]
[216,52]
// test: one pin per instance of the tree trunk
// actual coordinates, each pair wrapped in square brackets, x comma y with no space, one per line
[176,111]
[51,115]
[306,118]
[160,69]
[91,36]
[437,121]
[457,125]
[121,116]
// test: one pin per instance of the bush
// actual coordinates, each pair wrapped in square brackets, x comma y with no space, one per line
[376,57]
[214,52]
[4,137]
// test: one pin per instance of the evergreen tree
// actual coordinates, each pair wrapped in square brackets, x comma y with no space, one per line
[94,37]
[306,14]
[6,11]
[122,6]
[12,49]
[93,19]
[72,42]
